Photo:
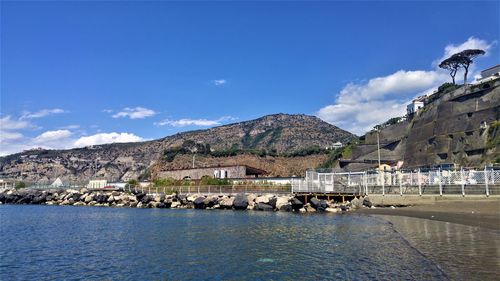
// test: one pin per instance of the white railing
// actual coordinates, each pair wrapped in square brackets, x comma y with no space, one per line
[442,182]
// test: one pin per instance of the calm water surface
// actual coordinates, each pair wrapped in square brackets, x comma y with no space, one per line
[463,252]
[86,243]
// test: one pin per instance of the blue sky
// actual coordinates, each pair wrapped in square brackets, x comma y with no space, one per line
[79,73]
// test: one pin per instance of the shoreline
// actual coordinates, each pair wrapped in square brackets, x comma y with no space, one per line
[477,212]
[483,213]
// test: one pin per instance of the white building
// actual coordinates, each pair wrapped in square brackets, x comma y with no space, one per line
[492,72]
[414,106]
[335,145]
[57,183]
[97,184]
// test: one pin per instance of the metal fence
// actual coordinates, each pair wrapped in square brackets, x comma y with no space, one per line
[438,182]
[214,189]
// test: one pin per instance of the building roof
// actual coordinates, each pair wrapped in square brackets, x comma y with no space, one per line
[490,68]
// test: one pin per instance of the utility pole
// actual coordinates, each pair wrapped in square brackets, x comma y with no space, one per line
[378,148]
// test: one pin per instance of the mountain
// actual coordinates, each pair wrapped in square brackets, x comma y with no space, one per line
[255,142]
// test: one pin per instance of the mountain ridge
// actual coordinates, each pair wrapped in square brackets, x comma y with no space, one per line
[282,133]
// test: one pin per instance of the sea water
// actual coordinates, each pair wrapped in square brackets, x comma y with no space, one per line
[93,243]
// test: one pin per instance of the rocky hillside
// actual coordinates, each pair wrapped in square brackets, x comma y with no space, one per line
[279,134]
[459,126]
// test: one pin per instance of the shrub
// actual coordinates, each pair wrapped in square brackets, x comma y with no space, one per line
[207,180]
[164,182]
[20,184]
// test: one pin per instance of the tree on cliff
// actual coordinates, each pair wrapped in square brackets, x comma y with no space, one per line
[452,64]
[458,60]
[467,58]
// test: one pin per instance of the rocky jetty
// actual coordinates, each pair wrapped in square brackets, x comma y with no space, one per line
[261,202]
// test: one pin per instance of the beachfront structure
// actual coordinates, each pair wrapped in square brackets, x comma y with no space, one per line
[410,182]
[219,172]
[414,106]
[490,73]
[97,184]
[4,183]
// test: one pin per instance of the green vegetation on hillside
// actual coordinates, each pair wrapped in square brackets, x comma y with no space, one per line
[493,135]
[190,148]
[392,121]
[336,154]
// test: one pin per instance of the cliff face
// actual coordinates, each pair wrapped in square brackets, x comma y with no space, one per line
[281,133]
[457,127]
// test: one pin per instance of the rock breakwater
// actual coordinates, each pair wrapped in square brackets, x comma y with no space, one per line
[259,202]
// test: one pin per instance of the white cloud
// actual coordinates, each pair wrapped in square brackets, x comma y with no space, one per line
[41,113]
[103,138]
[51,136]
[399,83]
[360,106]
[195,122]
[471,43]
[6,123]
[70,127]
[6,136]
[135,113]
[219,82]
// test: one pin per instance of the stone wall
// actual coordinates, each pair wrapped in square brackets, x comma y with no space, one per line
[196,174]
[448,130]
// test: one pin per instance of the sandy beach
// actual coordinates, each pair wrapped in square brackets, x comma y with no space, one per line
[481,213]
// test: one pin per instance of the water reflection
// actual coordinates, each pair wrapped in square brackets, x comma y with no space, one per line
[71,243]
[463,252]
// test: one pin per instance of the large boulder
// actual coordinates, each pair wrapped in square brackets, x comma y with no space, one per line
[181,198]
[367,202]
[146,199]
[315,203]
[199,203]
[296,204]
[240,202]
[226,202]
[139,195]
[263,199]
[210,202]
[281,202]
[272,202]
[356,203]
[263,207]
[160,197]
[88,198]
[323,204]
[42,198]
[101,198]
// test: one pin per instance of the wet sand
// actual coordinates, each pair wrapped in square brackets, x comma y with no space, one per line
[480,213]
[460,236]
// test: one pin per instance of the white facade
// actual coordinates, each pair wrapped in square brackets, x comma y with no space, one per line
[57,183]
[221,174]
[492,71]
[337,145]
[97,184]
[414,106]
